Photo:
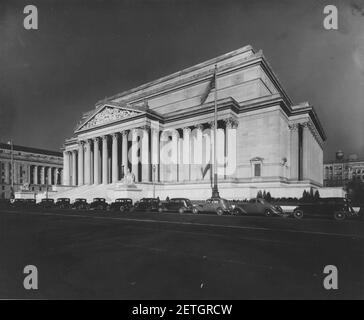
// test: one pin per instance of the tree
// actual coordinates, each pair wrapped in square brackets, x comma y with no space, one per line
[317,195]
[311,195]
[259,194]
[355,190]
[264,195]
[268,197]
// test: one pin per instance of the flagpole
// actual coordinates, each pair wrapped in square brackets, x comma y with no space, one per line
[215,190]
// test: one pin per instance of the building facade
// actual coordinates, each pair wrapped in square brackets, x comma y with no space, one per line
[163,134]
[28,168]
[339,172]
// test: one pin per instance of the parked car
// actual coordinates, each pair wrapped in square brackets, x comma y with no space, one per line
[147,204]
[257,206]
[180,205]
[337,208]
[80,204]
[18,203]
[121,204]
[219,206]
[30,203]
[63,203]
[98,204]
[46,203]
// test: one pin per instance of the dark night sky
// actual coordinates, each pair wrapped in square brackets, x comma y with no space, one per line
[86,50]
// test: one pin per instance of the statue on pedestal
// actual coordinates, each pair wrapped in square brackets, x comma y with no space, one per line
[129,178]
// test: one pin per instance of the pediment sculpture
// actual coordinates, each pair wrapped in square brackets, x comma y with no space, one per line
[109,114]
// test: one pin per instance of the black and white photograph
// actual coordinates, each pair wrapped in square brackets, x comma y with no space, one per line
[181,155]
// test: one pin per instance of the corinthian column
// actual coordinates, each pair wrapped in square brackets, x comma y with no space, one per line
[174,158]
[80,164]
[96,161]
[114,159]
[145,155]
[294,151]
[74,167]
[186,156]
[124,151]
[105,170]
[66,170]
[197,153]
[35,173]
[155,153]
[134,154]
[230,165]
[88,162]
[55,176]
[49,175]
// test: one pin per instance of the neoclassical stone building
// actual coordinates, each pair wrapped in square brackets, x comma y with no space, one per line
[162,132]
[34,167]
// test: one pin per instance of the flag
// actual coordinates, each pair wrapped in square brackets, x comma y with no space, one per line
[209,88]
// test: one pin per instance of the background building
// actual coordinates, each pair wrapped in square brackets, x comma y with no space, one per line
[341,170]
[31,168]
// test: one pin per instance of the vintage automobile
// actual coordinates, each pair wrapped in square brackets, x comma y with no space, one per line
[80,204]
[98,204]
[18,203]
[180,205]
[219,206]
[121,204]
[46,203]
[257,206]
[30,203]
[63,203]
[336,208]
[147,204]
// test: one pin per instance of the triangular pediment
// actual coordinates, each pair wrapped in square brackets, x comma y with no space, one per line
[108,114]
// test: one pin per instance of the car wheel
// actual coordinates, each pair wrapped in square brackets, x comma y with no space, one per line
[268,213]
[339,216]
[160,210]
[122,209]
[181,210]
[238,212]
[219,211]
[298,214]
[195,211]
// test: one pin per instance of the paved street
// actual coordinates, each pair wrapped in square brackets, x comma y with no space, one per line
[171,256]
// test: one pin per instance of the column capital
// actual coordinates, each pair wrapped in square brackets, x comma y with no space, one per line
[96,139]
[105,137]
[293,126]
[146,127]
[199,126]
[186,129]
[231,123]
[212,124]
[124,133]
[115,135]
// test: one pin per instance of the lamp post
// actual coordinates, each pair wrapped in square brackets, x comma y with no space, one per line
[215,190]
